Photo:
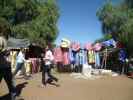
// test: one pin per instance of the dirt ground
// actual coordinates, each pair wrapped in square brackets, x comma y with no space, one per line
[107,88]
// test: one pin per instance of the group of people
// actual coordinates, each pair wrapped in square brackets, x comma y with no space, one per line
[8,75]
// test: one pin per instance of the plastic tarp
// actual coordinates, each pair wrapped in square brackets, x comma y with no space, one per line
[17,43]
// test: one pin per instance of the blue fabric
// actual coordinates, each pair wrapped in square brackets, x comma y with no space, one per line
[77,58]
[81,57]
[110,42]
[122,55]
[97,59]
[72,56]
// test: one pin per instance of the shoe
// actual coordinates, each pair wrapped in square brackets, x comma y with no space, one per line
[43,86]
[56,80]
[13,96]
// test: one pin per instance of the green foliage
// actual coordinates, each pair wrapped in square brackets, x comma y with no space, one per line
[32,19]
[105,38]
[118,21]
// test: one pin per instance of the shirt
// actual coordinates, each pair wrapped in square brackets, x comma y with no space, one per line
[20,58]
[49,57]
[4,59]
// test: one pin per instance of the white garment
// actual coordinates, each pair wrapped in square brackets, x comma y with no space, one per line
[20,58]
[48,57]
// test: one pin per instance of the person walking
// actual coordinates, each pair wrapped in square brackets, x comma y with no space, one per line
[20,63]
[5,68]
[46,68]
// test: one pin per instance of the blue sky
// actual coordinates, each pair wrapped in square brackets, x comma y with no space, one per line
[78,20]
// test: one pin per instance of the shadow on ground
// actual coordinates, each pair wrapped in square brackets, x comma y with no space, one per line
[19,89]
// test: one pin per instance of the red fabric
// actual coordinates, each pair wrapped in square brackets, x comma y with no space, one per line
[35,65]
[58,56]
[65,58]
[119,45]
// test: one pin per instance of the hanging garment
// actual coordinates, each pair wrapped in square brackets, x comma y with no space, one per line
[77,58]
[97,60]
[13,55]
[71,56]
[88,46]
[122,55]
[58,56]
[75,46]
[82,57]
[91,56]
[65,58]
[110,42]
[97,46]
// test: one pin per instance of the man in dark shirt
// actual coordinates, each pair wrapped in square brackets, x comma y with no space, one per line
[5,68]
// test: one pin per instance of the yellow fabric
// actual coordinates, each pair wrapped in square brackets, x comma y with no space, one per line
[91,56]
[13,55]
[28,67]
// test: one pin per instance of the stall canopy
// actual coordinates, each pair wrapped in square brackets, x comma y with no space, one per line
[17,43]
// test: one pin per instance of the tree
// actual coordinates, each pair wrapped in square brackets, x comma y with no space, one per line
[104,38]
[32,19]
[117,20]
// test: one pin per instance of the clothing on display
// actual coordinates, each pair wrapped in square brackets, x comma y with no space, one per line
[97,60]
[91,56]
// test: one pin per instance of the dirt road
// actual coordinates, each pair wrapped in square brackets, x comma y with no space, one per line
[107,88]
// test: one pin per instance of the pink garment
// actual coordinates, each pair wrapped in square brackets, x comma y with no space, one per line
[35,66]
[88,46]
[58,56]
[75,46]
[97,47]
[66,58]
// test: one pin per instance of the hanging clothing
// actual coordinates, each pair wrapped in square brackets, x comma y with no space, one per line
[58,56]
[122,55]
[71,56]
[75,46]
[91,56]
[82,57]
[77,59]
[97,60]
[65,58]
[110,42]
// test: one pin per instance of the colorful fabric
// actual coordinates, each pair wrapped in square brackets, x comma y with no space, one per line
[77,58]
[91,56]
[97,46]
[35,66]
[75,46]
[13,55]
[71,56]
[66,57]
[110,42]
[58,56]
[82,57]
[122,55]
[88,46]
[97,59]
